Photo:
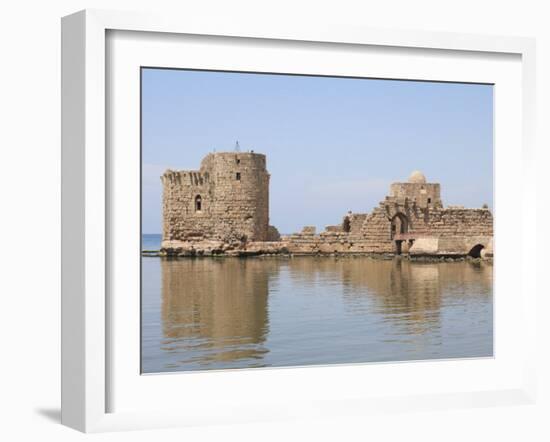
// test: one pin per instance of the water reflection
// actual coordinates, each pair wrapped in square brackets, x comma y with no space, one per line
[215,310]
[234,313]
[410,293]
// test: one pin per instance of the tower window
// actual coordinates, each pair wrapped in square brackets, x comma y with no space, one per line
[238,176]
[429,200]
[237,160]
[198,203]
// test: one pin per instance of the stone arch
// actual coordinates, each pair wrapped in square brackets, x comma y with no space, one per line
[475,251]
[198,203]
[399,224]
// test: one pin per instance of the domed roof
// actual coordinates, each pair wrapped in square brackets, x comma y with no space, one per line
[417,177]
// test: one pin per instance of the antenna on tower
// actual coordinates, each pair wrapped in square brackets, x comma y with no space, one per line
[237,147]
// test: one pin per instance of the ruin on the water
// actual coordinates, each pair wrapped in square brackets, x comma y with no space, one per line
[223,209]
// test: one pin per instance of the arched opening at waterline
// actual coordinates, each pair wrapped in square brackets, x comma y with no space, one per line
[475,251]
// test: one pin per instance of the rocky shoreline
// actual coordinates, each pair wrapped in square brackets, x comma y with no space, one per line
[243,253]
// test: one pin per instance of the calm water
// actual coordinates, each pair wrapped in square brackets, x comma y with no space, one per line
[150,241]
[200,314]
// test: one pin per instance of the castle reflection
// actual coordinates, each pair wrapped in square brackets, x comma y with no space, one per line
[217,308]
[407,293]
[216,313]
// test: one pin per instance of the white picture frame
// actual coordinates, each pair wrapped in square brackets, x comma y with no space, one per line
[86,205]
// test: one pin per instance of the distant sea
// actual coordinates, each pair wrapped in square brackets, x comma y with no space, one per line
[150,241]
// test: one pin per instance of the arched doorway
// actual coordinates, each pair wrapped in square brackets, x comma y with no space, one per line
[475,251]
[399,226]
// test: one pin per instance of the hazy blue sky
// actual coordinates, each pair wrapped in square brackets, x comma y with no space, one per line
[332,144]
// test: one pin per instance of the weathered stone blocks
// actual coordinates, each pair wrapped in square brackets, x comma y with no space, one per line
[227,199]
[223,209]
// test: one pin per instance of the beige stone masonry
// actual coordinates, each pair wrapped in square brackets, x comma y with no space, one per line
[223,209]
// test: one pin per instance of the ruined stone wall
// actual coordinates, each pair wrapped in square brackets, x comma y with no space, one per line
[435,221]
[377,231]
[234,192]
[351,223]
[233,217]
[432,222]
[323,243]
[424,194]
[457,230]
[356,222]
[460,222]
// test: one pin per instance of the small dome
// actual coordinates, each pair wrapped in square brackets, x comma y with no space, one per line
[417,177]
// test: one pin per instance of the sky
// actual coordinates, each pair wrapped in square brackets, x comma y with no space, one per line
[332,144]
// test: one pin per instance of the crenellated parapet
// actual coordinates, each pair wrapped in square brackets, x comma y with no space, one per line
[227,199]
[185,177]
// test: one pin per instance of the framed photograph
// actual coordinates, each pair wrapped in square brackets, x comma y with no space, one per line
[269,223]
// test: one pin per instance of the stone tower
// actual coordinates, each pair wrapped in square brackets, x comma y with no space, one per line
[418,190]
[227,199]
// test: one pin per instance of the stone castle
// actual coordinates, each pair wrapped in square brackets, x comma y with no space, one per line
[223,209]
[226,200]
